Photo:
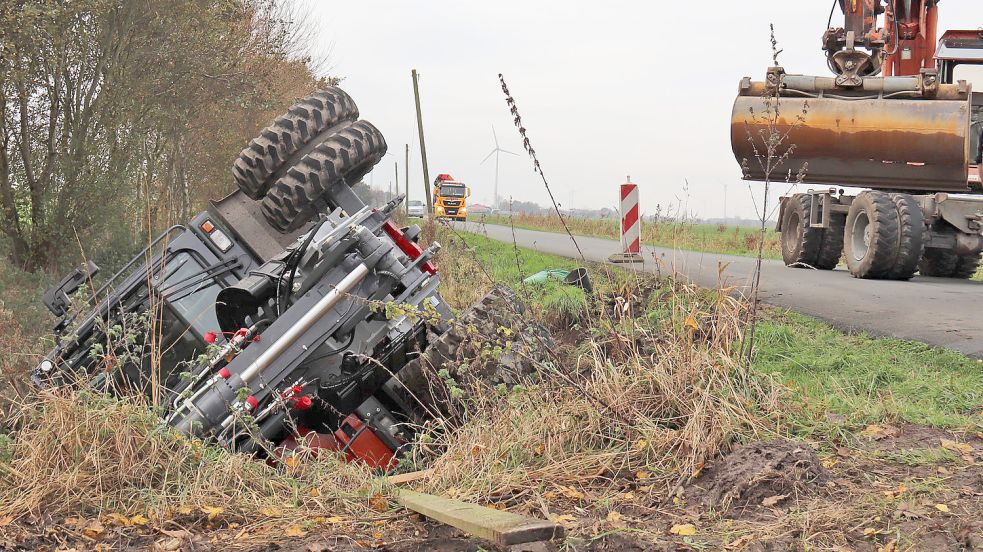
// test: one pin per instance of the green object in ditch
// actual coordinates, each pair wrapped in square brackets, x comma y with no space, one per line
[577,277]
[546,275]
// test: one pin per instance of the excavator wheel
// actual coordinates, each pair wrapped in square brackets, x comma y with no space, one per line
[944,263]
[290,137]
[911,237]
[871,240]
[967,266]
[800,243]
[346,155]
[807,247]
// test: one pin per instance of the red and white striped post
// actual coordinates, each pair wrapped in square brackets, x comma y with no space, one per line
[631,226]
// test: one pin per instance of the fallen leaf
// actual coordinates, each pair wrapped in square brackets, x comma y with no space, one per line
[117,519]
[692,323]
[184,510]
[614,516]
[870,532]
[6,520]
[961,448]
[641,444]
[213,512]
[830,462]
[896,492]
[772,500]
[740,543]
[315,493]
[335,519]
[684,530]
[565,519]
[942,508]
[94,529]
[629,496]
[139,520]
[270,512]
[168,545]
[872,430]
[889,547]
[570,492]
[295,531]
[380,504]
[175,533]
[642,474]
[378,535]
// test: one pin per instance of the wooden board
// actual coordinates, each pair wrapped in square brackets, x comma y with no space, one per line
[411,477]
[502,528]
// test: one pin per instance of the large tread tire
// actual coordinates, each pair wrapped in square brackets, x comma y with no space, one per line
[911,237]
[497,322]
[871,240]
[344,156]
[800,243]
[831,245]
[938,263]
[967,266]
[279,145]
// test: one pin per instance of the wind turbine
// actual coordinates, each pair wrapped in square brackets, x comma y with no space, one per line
[496,152]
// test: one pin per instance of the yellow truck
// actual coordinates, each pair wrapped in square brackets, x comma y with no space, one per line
[450,198]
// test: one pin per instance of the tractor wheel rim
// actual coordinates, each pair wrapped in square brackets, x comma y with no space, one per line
[861,236]
[793,236]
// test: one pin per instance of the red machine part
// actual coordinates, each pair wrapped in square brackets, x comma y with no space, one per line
[912,40]
[412,250]
[355,439]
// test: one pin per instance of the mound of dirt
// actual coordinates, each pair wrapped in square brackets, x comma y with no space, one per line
[760,474]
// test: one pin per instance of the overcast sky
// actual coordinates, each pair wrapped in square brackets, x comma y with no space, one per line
[605,89]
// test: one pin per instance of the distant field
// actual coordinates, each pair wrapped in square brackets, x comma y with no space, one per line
[711,238]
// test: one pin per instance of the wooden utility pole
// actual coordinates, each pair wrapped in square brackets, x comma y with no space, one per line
[423,145]
[406,169]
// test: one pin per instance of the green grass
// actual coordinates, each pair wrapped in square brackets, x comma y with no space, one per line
[863,379]
[710,238]
[842,381]
[920,456]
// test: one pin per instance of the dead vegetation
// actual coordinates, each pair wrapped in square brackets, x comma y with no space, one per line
[621,434]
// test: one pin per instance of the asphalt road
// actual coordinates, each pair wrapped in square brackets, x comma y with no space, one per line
[938,311]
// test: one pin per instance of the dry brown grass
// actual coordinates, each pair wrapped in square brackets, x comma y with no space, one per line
[639,401]
[642,399]
[77,453]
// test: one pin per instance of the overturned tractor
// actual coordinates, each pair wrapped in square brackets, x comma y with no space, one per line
[268,321]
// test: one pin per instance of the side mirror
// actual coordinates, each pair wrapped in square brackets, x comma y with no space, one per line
[56,298]
[469,192]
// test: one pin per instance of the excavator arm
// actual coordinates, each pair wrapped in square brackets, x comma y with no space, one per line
[904,45]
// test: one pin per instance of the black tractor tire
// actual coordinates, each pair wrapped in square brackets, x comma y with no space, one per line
[346,155]
[800,243]
[289,138]
[871,241]
[938,263]
[967,266]
[831,245]
[460,357]
[911,237]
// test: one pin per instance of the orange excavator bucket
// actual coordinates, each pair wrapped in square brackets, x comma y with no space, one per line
[896,133]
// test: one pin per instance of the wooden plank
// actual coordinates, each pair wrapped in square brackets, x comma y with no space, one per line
[502,528]
[404,478]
